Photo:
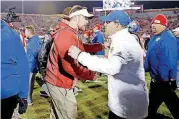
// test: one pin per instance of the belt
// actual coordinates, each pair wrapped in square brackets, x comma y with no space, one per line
[154,80]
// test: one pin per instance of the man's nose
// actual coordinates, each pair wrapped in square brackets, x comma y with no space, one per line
[87,21]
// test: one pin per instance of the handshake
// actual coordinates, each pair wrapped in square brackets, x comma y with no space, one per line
[74,51]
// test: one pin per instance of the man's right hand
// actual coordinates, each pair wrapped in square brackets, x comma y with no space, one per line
[96,76]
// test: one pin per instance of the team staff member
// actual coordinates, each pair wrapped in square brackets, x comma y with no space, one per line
[14,73]
[33,47]
[98,38]
[161,63]
[126,80]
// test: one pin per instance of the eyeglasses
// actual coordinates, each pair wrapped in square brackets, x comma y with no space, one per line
[107,22]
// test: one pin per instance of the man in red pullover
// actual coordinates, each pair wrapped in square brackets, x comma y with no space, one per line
[62,69]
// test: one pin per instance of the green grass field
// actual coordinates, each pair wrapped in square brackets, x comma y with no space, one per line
[92,102]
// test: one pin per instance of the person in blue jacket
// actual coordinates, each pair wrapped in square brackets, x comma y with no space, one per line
[14,72]
[33,47]
[98,38]
[176,33]
[161,63]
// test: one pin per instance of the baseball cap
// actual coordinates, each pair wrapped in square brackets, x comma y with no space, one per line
[98,26]
[117,16]
[83,11]
[160,19]
[65,14]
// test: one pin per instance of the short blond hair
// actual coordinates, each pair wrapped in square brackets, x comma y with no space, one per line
[30,28]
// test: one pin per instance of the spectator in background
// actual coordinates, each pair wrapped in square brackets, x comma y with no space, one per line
[176,33]
[87,36]
[133,29]
[22,36]
[161,63]
[14,73]
[98,38]
[33,48]
[43,58]
[146,38]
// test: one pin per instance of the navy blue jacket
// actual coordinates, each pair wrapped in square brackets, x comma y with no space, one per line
[99,38]
[14,64]
[162,56]
[33,48]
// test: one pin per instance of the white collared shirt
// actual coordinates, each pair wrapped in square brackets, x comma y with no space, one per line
[128,97]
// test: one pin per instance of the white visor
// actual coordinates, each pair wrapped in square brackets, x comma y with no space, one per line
[82,12]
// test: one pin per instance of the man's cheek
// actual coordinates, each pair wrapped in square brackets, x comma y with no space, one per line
[106,32]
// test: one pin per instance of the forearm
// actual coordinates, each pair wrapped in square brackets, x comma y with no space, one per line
[93,48]
[102,65]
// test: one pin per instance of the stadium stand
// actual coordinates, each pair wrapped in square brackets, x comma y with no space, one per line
[43,22]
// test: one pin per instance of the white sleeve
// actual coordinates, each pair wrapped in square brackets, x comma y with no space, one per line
[103,65]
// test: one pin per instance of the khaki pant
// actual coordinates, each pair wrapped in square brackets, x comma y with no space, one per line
[64,103]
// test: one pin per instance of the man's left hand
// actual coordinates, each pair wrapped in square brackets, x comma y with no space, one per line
[74,52]
[22,105]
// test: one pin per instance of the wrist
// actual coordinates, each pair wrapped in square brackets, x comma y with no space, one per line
[78,55]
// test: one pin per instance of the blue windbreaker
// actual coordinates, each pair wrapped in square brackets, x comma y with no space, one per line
[14,64]
[162,56]
[99,38]
[33,48]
